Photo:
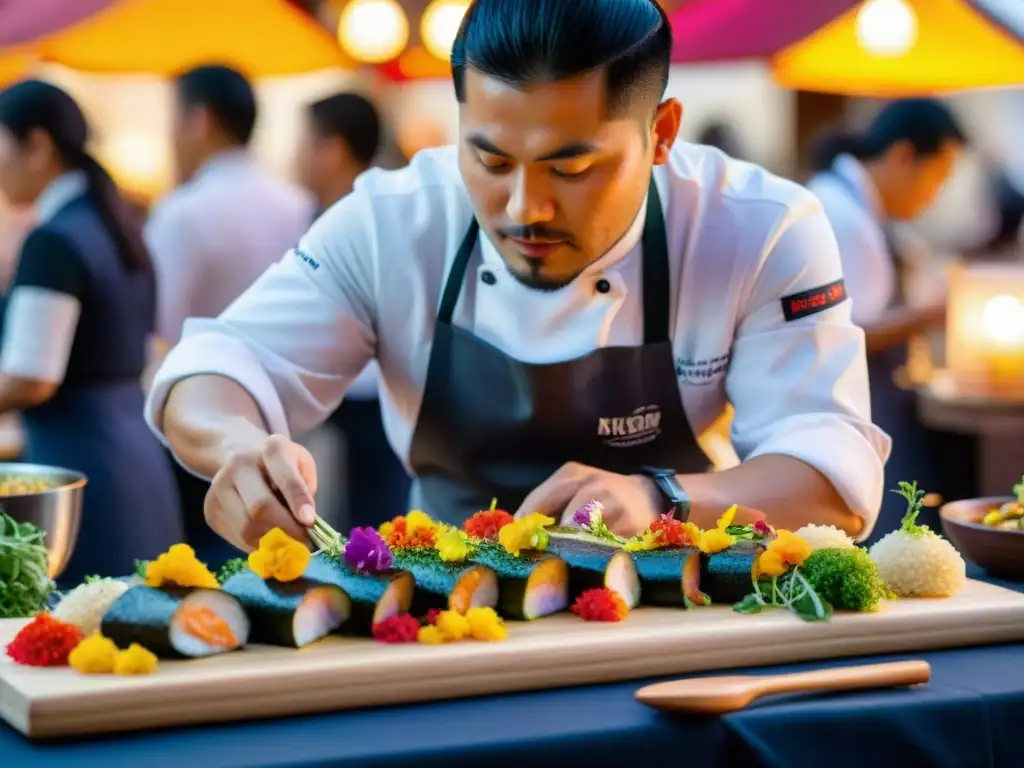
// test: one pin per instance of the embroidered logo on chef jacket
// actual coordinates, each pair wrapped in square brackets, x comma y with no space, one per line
[642,426]
[815,300]
[701,372]
[303,256]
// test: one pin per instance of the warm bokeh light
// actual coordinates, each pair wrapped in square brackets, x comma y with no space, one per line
[886,27]
[1003,320]
[373,31]
[440,24]
[137,161]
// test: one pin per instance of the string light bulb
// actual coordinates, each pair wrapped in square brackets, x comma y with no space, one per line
[373,31]
[440,25]
[886,28]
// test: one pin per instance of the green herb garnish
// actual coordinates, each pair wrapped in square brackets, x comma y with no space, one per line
[24,569]
[792,590]
[914,499]
[140,568]
[231,567]
[1018,491]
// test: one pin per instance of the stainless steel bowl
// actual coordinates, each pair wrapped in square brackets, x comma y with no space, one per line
[56,510]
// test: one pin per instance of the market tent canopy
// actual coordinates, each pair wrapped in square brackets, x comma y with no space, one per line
[723,30]
[263,38]
[14,65]
[930,47]
[22,21]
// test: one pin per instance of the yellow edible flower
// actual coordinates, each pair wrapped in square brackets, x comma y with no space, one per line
[452,625]
[179,566]
[486,625]
[430,635]
[279,557]
[647,541]
[136,660]
[452,546]
[96,655]
[417,520]
[717,539]
[526,533]
[785,550]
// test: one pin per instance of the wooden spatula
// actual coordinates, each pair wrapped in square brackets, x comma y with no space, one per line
[715,695]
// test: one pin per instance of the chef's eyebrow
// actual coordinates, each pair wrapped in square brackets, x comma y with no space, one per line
[569,151]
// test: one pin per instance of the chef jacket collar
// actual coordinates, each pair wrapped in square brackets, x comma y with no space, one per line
[622,247]
[851,169]
[58,193]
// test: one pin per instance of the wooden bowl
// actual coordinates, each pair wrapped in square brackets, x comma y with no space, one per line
[999,552]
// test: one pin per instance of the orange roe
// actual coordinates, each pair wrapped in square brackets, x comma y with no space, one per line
[486,524]
[44,642]
[600,604]
[400,628]
[398,536]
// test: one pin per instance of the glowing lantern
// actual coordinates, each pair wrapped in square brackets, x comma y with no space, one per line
[440,24]
[886,28]
[373,31]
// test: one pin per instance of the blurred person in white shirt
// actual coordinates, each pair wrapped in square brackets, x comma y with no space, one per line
[341,139]
[227,221]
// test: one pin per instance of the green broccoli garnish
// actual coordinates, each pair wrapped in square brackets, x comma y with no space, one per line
[914,499]
[230,568]
[847,578]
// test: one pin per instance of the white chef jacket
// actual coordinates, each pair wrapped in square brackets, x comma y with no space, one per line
[855,211]
[365,282]
[211,237]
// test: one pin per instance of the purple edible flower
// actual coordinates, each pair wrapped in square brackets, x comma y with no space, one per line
[589,515]
[366,551]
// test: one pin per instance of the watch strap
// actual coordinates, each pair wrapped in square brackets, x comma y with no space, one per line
[671,491]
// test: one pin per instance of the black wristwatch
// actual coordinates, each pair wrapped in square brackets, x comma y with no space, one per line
[671,490]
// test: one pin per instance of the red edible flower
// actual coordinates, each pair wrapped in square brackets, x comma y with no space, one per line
[398,536]
[400,628]
[44,642]
[761,528]
[671,532]
[431,617]
[486,524]
[600,604]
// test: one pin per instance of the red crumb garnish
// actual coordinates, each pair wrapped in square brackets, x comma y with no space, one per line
[670,532]
[431,617]
[399,536]
[486,524]
[600,604]
[401,628]
[761,528]
[44,642]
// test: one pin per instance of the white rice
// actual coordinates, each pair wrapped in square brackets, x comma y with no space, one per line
[85,605]
[919,566]
[825,537]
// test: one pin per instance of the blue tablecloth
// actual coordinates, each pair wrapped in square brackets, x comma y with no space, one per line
[969,716]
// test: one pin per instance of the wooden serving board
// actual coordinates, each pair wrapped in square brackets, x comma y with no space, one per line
[342,673]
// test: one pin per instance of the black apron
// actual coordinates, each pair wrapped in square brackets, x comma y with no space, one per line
[491,426]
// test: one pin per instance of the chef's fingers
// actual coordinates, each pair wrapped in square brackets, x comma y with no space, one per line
[551,496]
[281,460]
[265,510]
[225,512]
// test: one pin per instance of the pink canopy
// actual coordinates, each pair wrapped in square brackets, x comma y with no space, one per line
[722,30]
[22,21]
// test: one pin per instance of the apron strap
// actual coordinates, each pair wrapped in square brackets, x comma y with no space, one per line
[655,270]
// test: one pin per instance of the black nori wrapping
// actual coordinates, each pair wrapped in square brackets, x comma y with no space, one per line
[513,575]
[144,615]
[661,574]
[726,576]
[435,578]
[270,605]
[365,590]
[588,559]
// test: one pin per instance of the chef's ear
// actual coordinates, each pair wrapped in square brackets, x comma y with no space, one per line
[667,120]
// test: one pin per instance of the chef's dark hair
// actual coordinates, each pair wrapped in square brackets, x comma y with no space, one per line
[226,94]
[352,118]
[925,123]
[34,105]
[530,41]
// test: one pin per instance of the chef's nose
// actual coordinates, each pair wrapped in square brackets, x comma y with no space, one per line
[529,200]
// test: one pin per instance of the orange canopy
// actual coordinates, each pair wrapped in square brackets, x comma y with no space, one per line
[14,65]
[263,38]
[956,48]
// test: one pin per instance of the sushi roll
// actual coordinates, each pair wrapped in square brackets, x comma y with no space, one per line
[727,576]
[289,613]
[175,622]
[374,596]
[595,562]
[530,585]
[671,576]
[447,586]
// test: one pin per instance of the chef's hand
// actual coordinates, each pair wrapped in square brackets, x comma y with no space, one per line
[630,502]
[270,485]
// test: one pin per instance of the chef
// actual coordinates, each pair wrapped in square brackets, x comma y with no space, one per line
[559,304]
[892,172]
